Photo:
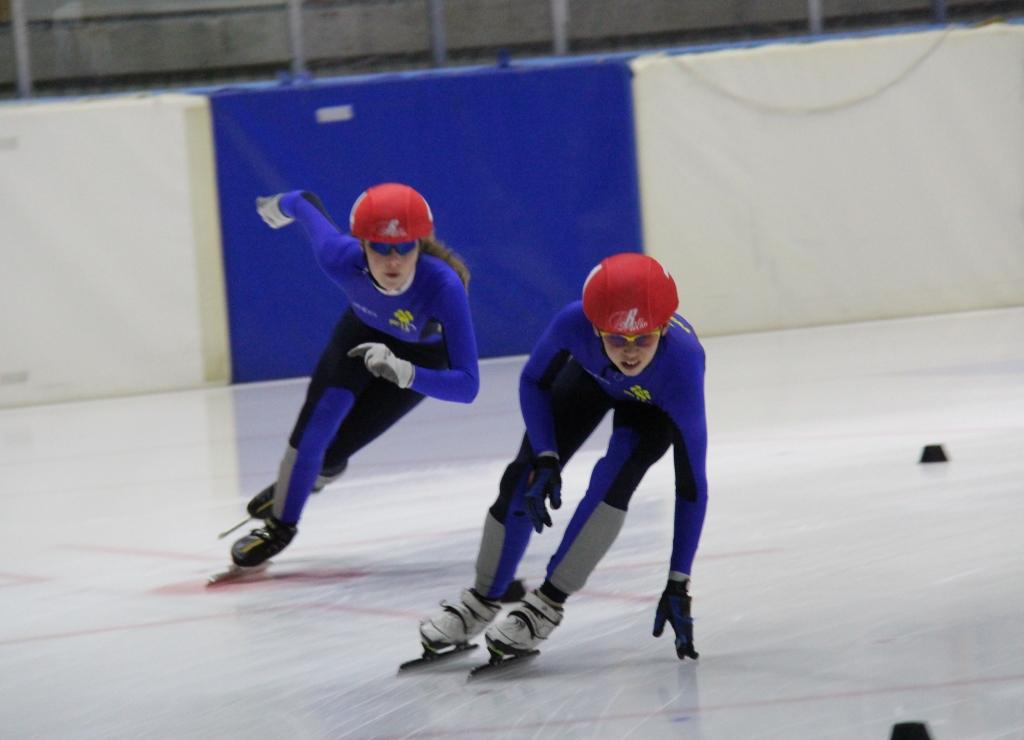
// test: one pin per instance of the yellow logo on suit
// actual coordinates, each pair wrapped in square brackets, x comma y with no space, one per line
[403,320]
[639,393]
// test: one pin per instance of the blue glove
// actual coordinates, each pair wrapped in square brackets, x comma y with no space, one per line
[674,608]
[545,483]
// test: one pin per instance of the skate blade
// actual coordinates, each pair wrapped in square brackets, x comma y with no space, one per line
[235,573]
[430,657]
[499,663]
[241,524]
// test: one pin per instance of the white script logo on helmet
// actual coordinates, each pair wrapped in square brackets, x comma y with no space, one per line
[627,322]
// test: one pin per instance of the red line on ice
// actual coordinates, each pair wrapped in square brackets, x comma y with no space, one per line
[207,617]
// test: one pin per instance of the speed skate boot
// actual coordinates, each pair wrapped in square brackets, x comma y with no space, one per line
[262,544]
[525,627]
[262,504]
[459,623]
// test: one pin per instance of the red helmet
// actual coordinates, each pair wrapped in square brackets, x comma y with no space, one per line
[390,213]
[629,293]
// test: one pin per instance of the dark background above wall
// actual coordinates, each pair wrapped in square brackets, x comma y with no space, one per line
[110,45]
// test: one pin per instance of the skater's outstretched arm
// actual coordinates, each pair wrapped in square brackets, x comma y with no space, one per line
[334,250]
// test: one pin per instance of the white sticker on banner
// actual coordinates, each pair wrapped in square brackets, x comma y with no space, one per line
[335,113]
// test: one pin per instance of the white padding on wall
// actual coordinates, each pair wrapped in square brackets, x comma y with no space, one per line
[111,278]
[804,184]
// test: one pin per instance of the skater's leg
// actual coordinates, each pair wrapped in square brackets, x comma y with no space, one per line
[506,530]
[296,475]
[304,457]
[640,437]
[578,405]
[336,383]
[374,411]
[375,406]
[261,505]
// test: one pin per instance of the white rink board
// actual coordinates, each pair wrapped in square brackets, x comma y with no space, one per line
[804,184]
[112,280]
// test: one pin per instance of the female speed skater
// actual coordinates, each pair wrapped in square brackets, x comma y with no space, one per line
[622,348]
[406,334]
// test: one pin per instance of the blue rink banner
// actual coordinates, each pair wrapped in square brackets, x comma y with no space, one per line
[531,174]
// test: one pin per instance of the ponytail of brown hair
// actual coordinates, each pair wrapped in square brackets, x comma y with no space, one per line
[435,248]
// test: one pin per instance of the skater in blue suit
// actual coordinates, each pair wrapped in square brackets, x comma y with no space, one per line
[405,335]
[621,349]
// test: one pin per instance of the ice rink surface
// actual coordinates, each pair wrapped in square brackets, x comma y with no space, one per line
[840,586]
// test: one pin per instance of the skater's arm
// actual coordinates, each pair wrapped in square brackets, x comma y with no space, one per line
[687,412]
[334,250]
[546,360]
[690,504]
[460,382]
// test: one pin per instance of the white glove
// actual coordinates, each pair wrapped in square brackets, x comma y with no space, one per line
[382,363]
[270,211]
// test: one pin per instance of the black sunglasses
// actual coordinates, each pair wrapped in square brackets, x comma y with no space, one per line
[384,249]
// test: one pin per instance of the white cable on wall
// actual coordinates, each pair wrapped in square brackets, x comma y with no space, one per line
[687,64]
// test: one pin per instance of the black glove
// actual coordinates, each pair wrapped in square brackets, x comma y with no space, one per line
[674,607]
[545,483]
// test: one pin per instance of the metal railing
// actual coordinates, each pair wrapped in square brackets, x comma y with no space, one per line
[296,10]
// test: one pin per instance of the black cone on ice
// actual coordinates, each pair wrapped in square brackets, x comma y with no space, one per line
[933,454]
[910,731]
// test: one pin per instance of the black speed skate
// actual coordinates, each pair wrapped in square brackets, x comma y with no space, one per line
[261,505]
[262,544]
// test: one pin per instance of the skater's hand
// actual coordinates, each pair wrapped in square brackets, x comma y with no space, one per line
[270,211]
[382,363]
[674,608]
[545,482]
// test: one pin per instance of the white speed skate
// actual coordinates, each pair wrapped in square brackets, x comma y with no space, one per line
[524,628]
[458,623]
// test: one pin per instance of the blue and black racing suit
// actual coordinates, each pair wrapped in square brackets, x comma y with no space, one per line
[566,388]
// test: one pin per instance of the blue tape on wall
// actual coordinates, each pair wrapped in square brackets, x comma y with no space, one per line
[531,174]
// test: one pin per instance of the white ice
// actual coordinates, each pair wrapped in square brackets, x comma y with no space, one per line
[841,587]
